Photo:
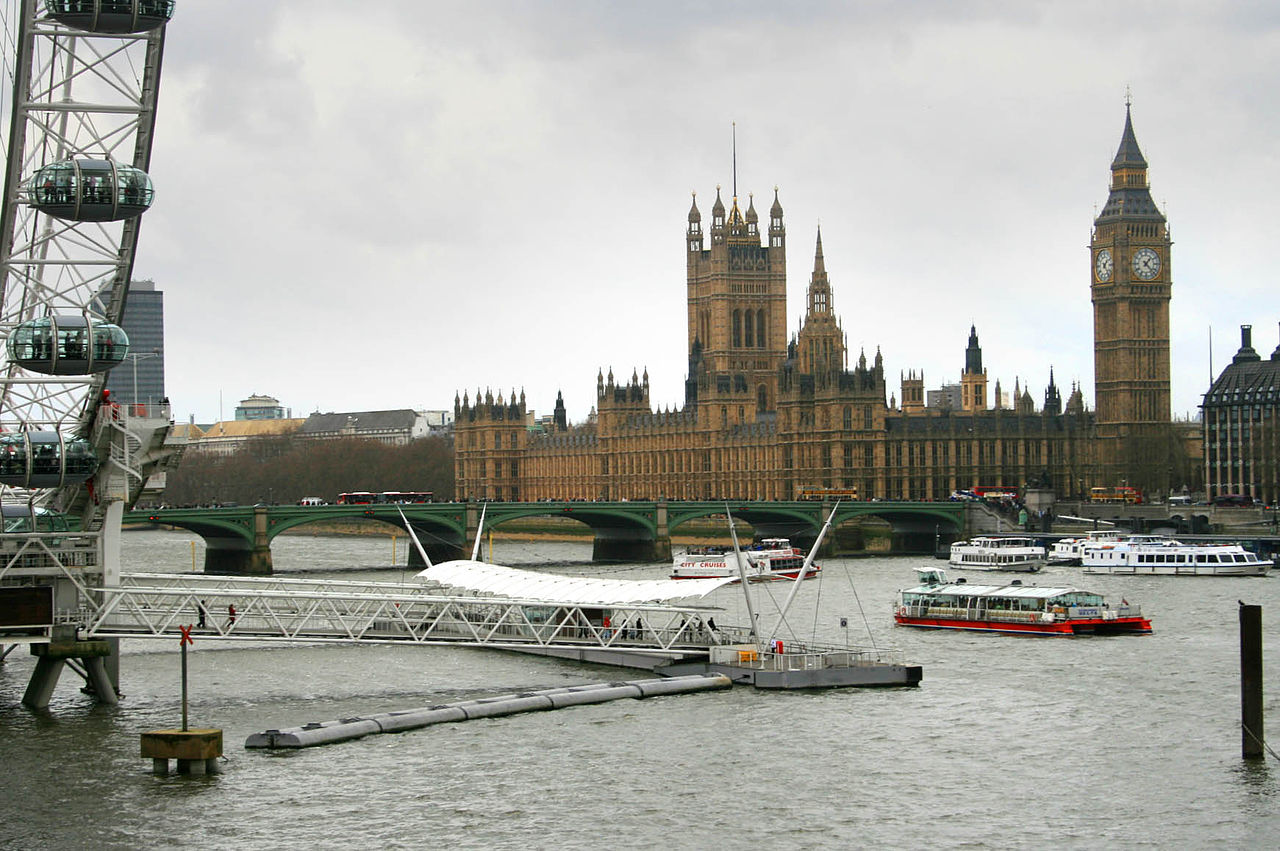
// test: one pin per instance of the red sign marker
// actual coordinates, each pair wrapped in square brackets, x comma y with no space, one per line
[186,636]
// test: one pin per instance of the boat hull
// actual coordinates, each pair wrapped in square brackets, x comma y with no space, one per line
[1240,569]
[1077,626]
[1032,566]
[713,573]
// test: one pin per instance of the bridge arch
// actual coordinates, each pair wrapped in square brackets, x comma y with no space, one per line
[238,539]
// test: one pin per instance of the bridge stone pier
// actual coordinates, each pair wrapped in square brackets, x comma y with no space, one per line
[622,544]
[238,556]
[612,540]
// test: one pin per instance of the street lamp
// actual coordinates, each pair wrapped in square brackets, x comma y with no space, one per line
[135,358]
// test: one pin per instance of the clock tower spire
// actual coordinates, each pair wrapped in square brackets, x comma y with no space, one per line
[1130,284]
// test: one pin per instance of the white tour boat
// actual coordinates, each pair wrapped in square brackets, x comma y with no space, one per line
[1020,555]
[1156,555]
[1068,550]
[772,558]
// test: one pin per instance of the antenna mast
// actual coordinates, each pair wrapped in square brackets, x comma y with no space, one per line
[735,159]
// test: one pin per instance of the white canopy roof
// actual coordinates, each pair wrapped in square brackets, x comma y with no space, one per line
[481,578]
[967,590]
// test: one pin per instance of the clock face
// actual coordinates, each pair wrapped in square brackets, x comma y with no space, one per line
[1146,264]
[1103,266]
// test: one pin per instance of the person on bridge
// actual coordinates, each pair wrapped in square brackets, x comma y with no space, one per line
[200,614]
[231,614]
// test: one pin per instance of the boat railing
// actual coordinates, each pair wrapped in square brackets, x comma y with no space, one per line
[810,658]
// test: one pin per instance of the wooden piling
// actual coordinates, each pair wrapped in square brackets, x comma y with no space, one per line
[1251,732]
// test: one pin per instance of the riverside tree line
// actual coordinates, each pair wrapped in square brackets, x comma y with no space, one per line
[285,468]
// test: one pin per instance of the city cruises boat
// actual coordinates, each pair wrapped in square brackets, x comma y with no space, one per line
[1015,608]
[1068,550]
[760,656]
[1018,555]
[1156,555]
[772,558]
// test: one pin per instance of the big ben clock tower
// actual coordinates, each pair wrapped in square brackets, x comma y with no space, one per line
[1131,283]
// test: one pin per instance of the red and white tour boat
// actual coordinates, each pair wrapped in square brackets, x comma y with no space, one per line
[772,558]
[1017,608]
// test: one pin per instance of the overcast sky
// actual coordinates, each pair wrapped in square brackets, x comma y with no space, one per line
[372,206]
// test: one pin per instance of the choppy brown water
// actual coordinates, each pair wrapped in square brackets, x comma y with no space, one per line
[1010,742]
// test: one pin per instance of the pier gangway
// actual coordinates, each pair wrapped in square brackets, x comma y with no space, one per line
[275,609]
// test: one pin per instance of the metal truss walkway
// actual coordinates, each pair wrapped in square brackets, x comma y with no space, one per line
[307,610]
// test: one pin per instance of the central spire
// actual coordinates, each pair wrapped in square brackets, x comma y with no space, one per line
[1128,155]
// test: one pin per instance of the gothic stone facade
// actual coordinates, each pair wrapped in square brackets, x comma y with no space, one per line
[765,417]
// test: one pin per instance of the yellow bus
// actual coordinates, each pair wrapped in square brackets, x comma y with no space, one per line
[1124,495]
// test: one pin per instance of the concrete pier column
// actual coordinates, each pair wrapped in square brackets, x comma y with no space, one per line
[50,659]
[100,680]
[196,751]
[44,679]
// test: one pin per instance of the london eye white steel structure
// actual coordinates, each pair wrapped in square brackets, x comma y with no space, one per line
[84,80]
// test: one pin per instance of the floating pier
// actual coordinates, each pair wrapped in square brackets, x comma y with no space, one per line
[346,729]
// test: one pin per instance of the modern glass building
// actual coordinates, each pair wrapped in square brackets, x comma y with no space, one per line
[140,379]
[258,407]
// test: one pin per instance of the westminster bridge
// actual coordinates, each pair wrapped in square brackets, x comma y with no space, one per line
[238,538]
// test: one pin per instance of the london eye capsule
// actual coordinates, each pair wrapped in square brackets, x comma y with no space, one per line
[44,459]
[67,345]
[110,17]
[91,191]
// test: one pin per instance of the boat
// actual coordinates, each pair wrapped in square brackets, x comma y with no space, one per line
[772,558]
[1157,555]
[1014,608]
[1068,550]
[1013,554]
[770,661]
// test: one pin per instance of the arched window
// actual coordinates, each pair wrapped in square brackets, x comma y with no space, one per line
[737,328]
[760,339]
[848,418]
[750,330]
[762,398]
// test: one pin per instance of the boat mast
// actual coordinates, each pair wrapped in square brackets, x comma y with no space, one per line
[414,537]
[475,550]
[742,573]
[795,585]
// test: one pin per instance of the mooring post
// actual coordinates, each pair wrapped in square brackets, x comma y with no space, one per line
[1252,738]
[186,638]
[196,751]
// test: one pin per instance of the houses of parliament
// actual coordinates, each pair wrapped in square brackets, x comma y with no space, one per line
[765,417]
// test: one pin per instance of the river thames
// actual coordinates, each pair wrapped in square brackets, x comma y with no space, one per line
[1009,742]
